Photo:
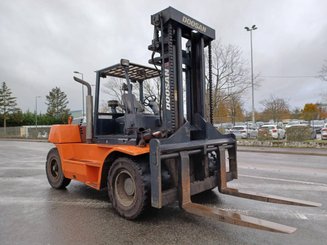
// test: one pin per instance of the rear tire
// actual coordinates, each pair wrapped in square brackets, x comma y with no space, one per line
[54,172]
[128,187]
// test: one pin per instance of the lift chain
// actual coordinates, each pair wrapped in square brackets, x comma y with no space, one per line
[171,77]
[210,84]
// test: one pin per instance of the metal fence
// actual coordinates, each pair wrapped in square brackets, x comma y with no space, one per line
[30,132]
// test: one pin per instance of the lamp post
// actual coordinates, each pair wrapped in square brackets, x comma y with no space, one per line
[77,72]
[250,29]
[36,97]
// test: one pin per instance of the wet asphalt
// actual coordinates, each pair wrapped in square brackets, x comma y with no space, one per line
[31,212]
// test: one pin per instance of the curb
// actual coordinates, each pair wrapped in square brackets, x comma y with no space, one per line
[284,152]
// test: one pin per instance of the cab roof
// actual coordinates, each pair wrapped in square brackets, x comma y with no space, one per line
[135,72]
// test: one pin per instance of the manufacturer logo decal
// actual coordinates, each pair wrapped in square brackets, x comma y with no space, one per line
[192,23]
[167,89]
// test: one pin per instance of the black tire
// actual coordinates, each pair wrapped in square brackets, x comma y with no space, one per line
[54,172]
[128,187]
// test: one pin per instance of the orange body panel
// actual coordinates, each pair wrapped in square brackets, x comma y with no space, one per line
[85,162]
[82,161]
[68,133]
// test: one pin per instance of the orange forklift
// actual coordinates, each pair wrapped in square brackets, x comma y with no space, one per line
[149,151]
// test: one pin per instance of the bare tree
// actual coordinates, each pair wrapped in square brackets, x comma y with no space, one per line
[323,72]
[230,79]
[324,97]
[235,108]
[152,87]
[230,74]
[113,87]
[275,109]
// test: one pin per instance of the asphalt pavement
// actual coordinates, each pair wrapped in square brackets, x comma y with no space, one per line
[31,212]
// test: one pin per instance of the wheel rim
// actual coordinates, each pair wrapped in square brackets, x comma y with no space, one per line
[125,188]
[54,169]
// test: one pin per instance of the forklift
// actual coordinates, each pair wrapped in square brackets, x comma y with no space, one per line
[157,151]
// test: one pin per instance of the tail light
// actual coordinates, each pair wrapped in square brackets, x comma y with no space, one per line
[324,129]
[274,130]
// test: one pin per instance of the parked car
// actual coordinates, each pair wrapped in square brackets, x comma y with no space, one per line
[317,125]
[276,132]
[324,132]
[297,123]
[79,120]
[225,126]
[259,124]
[244,132]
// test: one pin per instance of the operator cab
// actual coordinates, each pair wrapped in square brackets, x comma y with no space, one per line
[133,116]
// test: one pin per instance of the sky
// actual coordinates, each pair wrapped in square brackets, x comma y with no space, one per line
[43,41]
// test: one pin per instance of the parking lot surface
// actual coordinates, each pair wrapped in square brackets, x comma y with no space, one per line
[31,212]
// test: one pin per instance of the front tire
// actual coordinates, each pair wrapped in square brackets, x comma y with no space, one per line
[54,172]
[128,187]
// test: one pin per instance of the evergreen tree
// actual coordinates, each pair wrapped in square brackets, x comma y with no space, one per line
[7,103]
[57,104]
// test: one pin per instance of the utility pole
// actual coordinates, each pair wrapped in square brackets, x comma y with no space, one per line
[254,27]
[37,133]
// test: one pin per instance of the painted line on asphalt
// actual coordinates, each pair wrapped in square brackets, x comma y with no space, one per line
[39,201]
[23,168]
[31,161]
[19,179]
[11,162]
[301,216]
[285,180]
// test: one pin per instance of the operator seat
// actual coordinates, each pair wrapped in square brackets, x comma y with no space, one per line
[129,100]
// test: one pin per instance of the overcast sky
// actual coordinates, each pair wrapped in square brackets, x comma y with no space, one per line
[43,41]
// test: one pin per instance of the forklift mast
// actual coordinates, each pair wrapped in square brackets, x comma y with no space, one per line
[181,68]
[192,143]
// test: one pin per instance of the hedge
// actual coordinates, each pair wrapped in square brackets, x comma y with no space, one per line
[299,133]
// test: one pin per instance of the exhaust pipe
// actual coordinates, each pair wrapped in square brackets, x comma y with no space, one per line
[89,110]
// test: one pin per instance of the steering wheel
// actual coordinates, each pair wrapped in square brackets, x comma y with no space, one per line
[148,99]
